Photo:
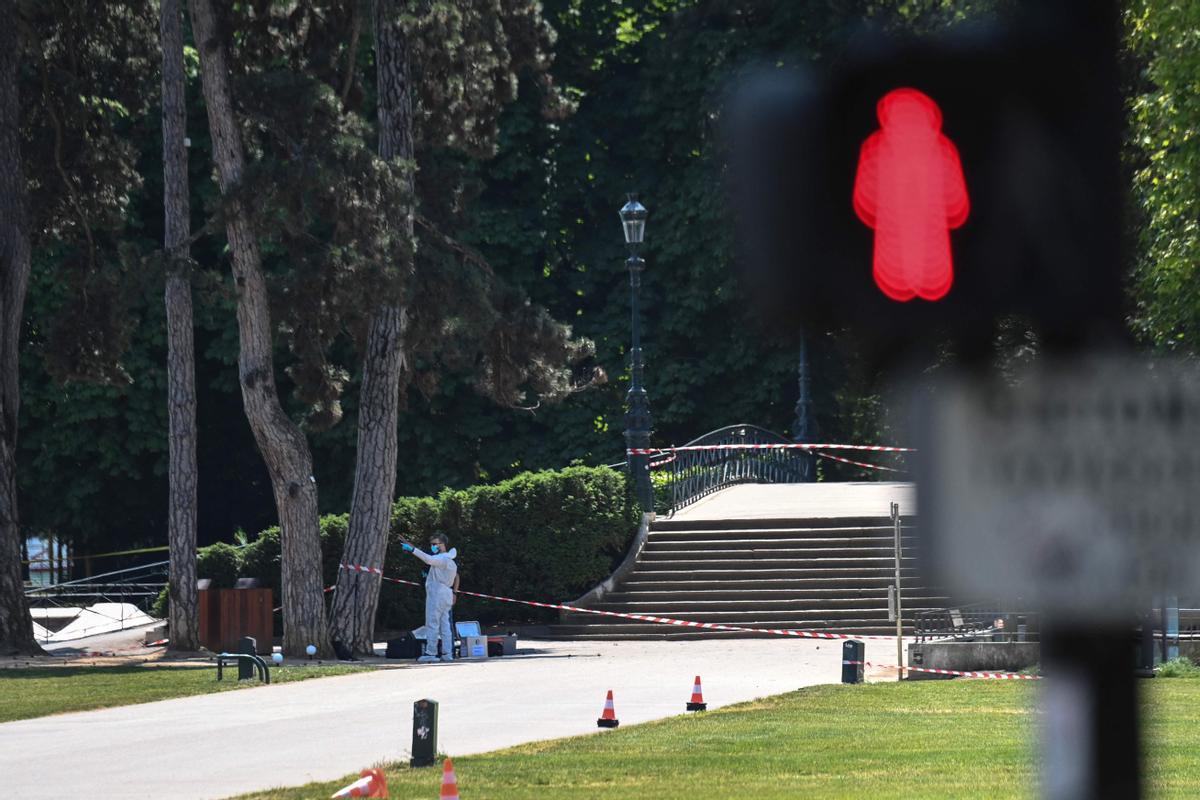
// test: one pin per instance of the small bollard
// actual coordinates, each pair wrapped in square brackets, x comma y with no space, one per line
[246,645]
[424,741]
[852,661]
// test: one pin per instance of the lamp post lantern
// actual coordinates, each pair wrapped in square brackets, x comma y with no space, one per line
[638,423]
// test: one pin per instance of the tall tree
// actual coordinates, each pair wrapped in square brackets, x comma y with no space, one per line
[183,611]
[16,626]
[282,444]
[67,175]
[357,598]
[444,72]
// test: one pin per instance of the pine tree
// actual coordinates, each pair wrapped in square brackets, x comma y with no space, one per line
[280,441]
[16,626]
[445,70]
[70,72]
[183,609]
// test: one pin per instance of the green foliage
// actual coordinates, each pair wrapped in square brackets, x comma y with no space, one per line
[82,88]
[219,562]
[261,557]
[648,80]
[949,740]
[1181,667]
[1164,39]
[541,535]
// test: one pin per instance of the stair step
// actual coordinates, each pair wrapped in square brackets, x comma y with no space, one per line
[732,582]
[841,573]
[799,523]
[634,629]
[828,575]
[779,543]
[710,534]
[721,605]
[626,595]
[773,555]
[775,618]
[772,558]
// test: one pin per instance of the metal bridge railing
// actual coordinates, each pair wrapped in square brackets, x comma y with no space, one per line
[697,473]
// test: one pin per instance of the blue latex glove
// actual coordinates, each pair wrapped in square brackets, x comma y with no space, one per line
[408,548]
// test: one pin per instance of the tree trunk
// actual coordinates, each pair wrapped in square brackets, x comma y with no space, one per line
[357,596]
[183,615]
[16,626]
[280,441]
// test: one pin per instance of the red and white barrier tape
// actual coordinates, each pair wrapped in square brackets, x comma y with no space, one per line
[862,464]
[360,568]
[683,623]
[1001,676]
[866,448]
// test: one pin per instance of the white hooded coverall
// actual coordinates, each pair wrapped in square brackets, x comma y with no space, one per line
[439,597]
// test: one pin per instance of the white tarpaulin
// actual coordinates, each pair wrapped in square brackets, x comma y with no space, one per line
[94,620]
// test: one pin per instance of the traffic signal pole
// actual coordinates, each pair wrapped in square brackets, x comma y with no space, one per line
[1090,730]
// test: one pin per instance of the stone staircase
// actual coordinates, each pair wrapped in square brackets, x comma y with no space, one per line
[827,574]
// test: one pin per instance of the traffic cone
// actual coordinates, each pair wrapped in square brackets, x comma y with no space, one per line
[697,702]
[371,784]
[449,781]
[609,718]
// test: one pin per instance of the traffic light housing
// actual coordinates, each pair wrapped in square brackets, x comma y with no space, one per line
[1034,118]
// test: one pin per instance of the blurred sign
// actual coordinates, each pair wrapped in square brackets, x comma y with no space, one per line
[1073,487]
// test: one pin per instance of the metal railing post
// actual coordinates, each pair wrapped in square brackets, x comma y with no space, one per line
[899,603]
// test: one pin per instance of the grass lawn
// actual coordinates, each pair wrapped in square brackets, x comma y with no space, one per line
[932,739]
[38,692]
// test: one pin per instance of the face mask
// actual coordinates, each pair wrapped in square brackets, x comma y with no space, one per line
[433,548]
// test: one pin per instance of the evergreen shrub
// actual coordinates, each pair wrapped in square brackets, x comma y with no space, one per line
[546,536]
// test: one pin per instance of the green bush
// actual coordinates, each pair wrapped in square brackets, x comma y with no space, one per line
[219,562]
[261,559]
[540,536]
[158,608]
[1181,667]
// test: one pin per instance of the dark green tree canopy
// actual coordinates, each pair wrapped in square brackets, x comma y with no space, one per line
[83,86]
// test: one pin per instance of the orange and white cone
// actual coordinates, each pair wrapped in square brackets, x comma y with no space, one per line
[608,719]
[371,784]
[449,781]
[697,702]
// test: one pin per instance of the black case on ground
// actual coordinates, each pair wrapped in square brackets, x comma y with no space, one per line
[407,646]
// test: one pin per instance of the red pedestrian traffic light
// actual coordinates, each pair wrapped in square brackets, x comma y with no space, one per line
[910,189]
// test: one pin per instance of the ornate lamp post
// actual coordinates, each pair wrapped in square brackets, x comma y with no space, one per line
[638,423]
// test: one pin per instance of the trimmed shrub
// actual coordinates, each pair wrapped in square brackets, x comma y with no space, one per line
[540,536]
[219,562]
[261,558]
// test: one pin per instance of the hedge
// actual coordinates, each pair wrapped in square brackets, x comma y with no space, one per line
[548,535]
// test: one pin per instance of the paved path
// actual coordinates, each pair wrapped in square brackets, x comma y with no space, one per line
[219,745]
[803,501]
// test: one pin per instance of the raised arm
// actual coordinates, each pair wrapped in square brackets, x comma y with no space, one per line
[431,559]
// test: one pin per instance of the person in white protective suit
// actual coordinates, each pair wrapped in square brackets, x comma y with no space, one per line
[439,597]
